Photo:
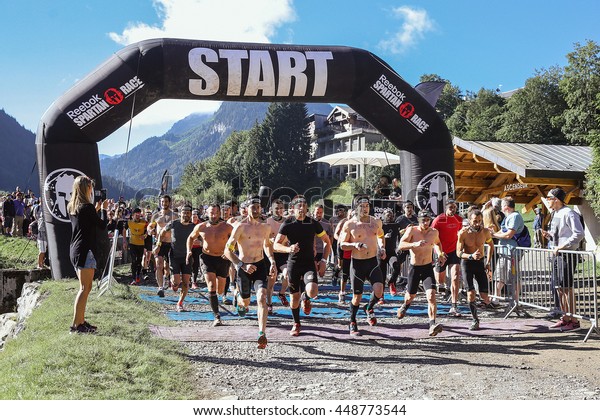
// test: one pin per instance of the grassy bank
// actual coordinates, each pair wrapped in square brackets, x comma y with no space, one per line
[122,361]
[19,253]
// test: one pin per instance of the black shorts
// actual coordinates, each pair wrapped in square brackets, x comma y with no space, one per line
[451,258]
[214,264]
[299,273]
[179,266]
[148,243]
[165,249]
[258,279]
[475,269]
[563,267]
[363,270]
[418,273]
[281,259]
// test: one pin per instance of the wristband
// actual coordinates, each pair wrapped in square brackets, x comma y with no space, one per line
[471,256]
[324,260]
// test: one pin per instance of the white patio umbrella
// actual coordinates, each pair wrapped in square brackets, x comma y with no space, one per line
[360,157]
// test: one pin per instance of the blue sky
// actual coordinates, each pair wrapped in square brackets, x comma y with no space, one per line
[49,45]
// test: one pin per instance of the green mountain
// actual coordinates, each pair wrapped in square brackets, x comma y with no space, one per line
[17,149]
[194,138]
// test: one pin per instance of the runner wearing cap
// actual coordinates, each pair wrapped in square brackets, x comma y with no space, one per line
[137,235]
[181,268]
[252,237]
[299,231]
[420,240]
[147,258]
[364,236]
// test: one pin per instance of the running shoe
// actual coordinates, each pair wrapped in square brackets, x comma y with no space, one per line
[180,308]
[284,301]
[146,277]
[341,298]
[306,304]
[354,329]
[435,329]
[393,290]
[453,311]
[217,321]
[370,316]
[241,310]
[226,300]
[135,282]
[90,326]
[270,309]
[262,340]
[401,312]
[295,330]
[161,292]
[474,325]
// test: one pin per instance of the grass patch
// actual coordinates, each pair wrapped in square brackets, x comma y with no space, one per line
[18,253]
[122,361]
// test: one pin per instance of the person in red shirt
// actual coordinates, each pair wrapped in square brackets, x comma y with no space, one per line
[449,224]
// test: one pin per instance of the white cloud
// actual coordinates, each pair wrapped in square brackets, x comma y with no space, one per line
[416,24]
[223,20]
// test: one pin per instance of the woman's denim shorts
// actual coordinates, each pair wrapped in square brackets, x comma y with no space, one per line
[90,261]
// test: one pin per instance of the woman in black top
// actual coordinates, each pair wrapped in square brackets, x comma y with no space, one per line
[84,222]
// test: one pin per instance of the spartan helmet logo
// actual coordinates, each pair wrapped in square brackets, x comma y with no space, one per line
[434,190]
[57,191]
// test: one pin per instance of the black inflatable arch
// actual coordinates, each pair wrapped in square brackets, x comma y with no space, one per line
[141,74]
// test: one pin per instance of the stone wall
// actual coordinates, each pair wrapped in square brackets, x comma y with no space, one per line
[11,284]
[12,323]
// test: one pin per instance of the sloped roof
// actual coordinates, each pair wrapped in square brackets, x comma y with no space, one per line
[533,160]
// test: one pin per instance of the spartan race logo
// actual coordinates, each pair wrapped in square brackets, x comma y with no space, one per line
[57,192]
[434,190]
[397,100]
[96,105]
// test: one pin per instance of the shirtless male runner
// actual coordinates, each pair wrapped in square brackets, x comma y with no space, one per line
[252,237]
[363,235]
[299,232]
[420,240]
[162,247]
[281,258]
[214,234]
[470,249]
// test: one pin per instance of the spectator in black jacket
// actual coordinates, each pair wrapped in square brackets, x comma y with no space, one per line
[84,222]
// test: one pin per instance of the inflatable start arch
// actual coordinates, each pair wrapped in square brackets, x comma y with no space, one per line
[143,73]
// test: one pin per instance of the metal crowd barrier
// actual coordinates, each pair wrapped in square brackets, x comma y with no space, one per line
[530,277]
